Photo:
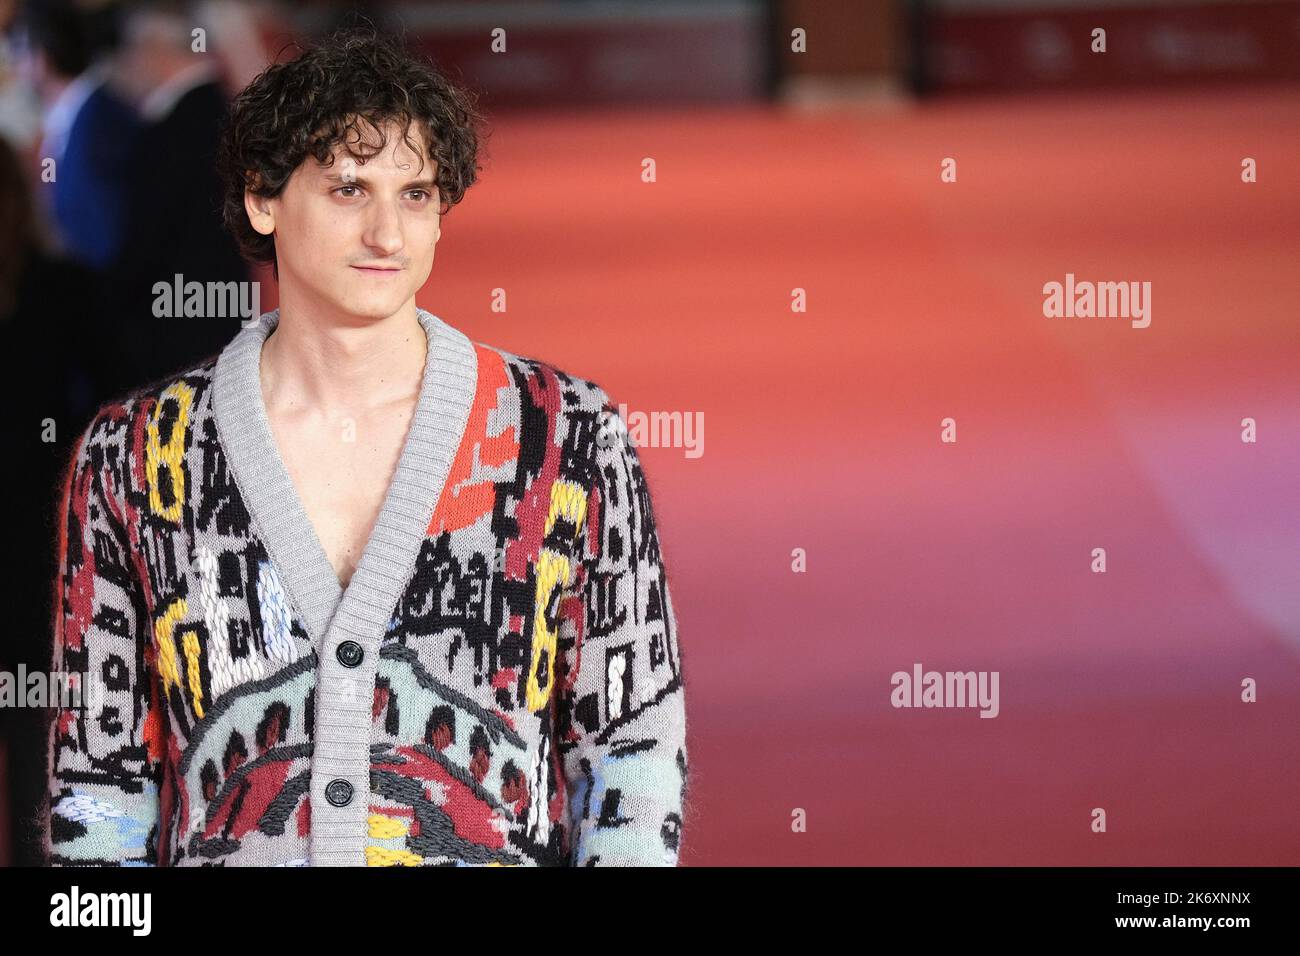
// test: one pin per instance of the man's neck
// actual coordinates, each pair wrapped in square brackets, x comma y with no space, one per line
[338,369]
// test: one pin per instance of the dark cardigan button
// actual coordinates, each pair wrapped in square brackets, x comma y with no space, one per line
[339,792]
[350,653]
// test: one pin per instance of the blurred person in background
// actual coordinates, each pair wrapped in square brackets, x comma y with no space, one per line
[174,219]
[50,391]
[20,107]
[88,130]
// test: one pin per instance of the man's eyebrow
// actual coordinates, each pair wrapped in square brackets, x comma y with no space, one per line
[353,179]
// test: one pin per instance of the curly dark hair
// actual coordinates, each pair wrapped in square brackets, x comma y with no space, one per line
[322,98]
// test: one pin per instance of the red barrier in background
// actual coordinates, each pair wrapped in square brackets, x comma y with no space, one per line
[1026,45]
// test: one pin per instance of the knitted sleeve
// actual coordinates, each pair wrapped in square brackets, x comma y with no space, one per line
[621,706]
[103,791]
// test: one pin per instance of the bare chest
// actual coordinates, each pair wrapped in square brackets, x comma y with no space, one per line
[341,474]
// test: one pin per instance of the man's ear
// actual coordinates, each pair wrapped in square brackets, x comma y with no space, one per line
[261,212]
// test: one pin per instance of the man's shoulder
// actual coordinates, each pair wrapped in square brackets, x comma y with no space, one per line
[549,383]
[172,398]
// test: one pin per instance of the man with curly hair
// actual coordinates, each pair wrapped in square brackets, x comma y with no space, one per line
[360,590]
[350,230]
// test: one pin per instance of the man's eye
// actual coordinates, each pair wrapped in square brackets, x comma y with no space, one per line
[423,194]
[341,188]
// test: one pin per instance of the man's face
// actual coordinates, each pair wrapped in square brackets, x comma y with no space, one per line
[356,238]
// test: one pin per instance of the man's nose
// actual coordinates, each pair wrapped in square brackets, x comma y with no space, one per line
[384,231]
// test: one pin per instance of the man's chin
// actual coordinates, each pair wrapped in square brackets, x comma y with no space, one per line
[376,307]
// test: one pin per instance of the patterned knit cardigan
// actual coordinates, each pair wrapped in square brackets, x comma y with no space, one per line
[499,684]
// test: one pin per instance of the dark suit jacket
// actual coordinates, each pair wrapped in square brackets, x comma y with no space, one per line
[174,227]
[93,178]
